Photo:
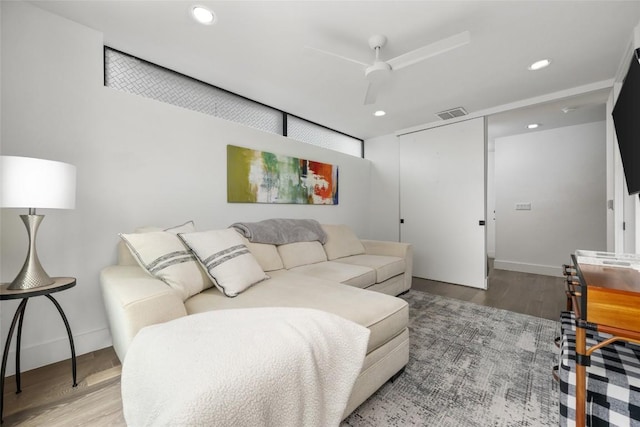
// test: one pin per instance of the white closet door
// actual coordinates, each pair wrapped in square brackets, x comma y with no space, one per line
[442,202]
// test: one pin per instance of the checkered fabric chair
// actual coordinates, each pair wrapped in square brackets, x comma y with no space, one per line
[613,380]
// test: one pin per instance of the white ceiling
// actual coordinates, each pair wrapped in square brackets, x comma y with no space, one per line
[584,108]
[256,49]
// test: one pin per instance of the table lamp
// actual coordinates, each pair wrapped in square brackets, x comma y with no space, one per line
[35,183]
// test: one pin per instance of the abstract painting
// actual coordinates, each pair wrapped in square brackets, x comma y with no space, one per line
[261,177]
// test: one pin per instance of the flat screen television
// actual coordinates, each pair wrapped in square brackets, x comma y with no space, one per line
[626,119]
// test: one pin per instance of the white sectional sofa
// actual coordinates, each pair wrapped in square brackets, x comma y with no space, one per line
[355,279]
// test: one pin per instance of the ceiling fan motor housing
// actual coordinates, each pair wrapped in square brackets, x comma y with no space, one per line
[378,70]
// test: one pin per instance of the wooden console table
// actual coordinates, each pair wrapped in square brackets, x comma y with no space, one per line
[608,301]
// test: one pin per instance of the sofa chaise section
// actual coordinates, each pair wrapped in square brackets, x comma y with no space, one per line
[385,317]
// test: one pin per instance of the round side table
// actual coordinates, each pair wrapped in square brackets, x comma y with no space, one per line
[60,284]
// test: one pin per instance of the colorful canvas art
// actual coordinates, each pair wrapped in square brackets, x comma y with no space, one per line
[261,177]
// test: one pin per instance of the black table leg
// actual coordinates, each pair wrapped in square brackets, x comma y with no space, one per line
[18,345]
[5,354]
[66,324]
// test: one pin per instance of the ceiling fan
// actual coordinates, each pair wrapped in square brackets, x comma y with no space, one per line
[380,70]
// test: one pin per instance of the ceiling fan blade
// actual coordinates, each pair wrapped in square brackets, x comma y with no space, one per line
[372,92]
[335,55]
[430,50]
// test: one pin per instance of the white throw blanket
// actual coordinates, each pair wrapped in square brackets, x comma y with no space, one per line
[245,367]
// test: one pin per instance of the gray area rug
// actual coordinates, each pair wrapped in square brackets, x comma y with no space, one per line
[469,365]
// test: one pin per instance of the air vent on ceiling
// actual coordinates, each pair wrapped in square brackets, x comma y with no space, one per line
[452,113]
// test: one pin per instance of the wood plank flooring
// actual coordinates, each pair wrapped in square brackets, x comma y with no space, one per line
[47,398]
[525,293]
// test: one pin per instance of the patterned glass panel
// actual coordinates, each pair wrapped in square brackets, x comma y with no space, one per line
[130,74]
[311,133]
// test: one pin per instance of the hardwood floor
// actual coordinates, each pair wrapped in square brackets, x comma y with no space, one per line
[47,398]
[533,294]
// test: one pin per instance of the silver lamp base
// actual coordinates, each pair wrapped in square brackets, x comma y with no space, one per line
[32,274]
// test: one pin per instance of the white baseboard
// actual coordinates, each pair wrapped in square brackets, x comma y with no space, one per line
[50,352]
[545,270]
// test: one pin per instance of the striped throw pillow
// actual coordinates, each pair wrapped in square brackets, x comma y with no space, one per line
[163,255]
[226,259]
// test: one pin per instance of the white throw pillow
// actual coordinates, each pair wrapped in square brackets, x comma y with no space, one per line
[341,241]
[226,259]
[163,255]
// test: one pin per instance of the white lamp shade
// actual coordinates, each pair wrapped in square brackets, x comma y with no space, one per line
[37,183]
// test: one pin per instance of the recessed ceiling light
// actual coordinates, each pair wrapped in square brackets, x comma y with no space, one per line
[538,65]
[203,15]
[533,125]
[379,113]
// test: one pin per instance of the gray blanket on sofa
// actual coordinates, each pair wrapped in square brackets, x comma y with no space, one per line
[280,231]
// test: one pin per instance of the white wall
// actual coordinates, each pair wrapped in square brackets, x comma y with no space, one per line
[139,162]
[384,219]
[561,172]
